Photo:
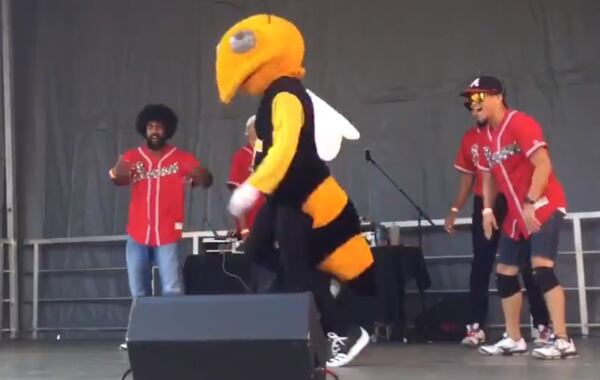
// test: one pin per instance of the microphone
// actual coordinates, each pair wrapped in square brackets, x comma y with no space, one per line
[214,232]
[368,155]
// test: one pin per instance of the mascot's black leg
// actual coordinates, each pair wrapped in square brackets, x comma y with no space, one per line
[260,249]
[300,274]
[292,231]
[332,317]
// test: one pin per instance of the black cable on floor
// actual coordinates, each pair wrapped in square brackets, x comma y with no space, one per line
[126,374]
[246,287]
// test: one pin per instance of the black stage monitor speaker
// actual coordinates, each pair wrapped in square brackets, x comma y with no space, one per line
[226,337]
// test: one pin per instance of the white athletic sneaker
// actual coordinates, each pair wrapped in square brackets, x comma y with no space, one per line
[123,346]
[475,336]
[557,348]
[544,333]
[345,349]
[505,347]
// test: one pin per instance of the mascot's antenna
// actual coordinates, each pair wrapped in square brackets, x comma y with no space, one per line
[242,10]
[232,5]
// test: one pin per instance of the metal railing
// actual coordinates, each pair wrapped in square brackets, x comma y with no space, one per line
[8,255]
[37,244]
[2,273]
[576,218]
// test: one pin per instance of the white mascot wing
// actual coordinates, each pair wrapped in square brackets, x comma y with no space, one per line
[330,128]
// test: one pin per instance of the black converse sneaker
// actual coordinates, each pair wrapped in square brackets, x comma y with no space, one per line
[345,348]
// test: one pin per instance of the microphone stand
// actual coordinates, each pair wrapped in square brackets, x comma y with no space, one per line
[422,214]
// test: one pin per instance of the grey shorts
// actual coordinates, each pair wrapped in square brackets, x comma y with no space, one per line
[543,243]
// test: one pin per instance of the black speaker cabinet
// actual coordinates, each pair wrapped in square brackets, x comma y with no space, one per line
[226,337]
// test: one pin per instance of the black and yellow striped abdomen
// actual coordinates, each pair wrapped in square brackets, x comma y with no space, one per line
[336,243]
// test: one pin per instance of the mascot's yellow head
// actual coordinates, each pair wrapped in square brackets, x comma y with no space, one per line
[255,52]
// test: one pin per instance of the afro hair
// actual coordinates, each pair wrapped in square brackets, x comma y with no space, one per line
[160,113]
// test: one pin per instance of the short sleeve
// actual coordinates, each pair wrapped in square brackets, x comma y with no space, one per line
[130,155]
[189,164]
[464,158]
[528,134]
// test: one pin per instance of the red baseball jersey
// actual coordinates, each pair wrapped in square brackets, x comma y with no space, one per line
[506,152]
[467,158]
[241,168]
[156,209]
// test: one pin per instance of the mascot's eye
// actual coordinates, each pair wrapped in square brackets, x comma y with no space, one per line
[243,41]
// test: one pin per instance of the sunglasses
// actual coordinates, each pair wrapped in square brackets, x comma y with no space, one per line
[477,97]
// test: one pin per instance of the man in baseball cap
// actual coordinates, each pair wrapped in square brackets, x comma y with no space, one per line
[514,159]
[486,84]
[484,250]
[480,88]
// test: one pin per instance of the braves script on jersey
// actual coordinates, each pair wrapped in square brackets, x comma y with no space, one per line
[467,158]
[506,152]
[156,209]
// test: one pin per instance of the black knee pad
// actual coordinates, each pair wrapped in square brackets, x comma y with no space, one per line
[508,286]
[545,278]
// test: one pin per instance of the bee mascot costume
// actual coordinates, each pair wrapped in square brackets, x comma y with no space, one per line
[307,213]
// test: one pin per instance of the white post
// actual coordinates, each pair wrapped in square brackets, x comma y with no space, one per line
[195,245]
[583,310]
[9,141]
[1,288]
[36,290]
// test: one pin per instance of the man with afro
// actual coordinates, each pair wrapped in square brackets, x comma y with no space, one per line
[158,174]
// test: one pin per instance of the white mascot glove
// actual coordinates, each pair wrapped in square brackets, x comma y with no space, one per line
[242,199]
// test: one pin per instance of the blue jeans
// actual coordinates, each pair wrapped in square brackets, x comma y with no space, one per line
[139,268]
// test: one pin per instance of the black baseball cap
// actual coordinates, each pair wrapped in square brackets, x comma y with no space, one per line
[484,83]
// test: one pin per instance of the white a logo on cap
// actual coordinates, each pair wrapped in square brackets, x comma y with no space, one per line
[475,83]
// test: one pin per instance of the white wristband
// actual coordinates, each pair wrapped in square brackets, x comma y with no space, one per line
[487,211]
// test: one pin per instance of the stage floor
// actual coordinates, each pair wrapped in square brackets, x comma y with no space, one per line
[103,361]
